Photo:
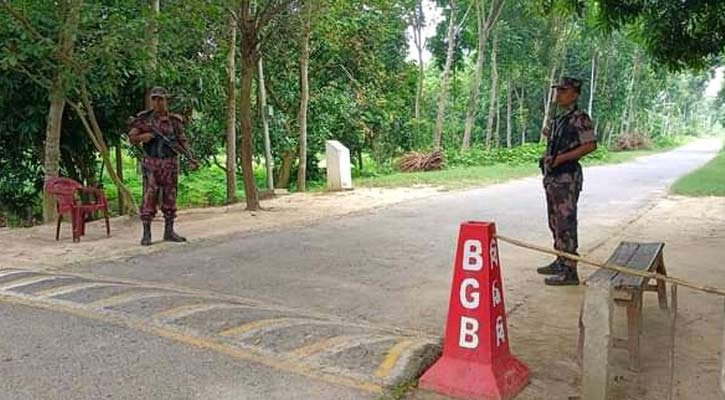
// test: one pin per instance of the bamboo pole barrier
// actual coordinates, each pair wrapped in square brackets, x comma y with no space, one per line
[617,268]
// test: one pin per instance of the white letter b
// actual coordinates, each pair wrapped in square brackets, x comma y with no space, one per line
[472,260]
[468,338]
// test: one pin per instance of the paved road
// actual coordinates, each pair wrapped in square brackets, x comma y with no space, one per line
[217,320]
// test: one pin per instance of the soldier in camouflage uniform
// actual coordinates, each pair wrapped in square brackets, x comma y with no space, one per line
[570,137]
[162,138]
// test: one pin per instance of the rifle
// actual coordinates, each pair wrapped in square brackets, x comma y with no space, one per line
[174,146]
[551,119]
[555,135]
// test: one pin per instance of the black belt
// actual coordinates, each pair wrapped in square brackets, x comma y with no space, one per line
[567,167]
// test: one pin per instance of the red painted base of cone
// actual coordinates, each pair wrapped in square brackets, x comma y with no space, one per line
[468,380]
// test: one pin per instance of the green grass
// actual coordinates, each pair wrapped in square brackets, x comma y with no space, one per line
[451,178]
[202,188]
[709,180]
[464,177]
[619,157]
[207,186]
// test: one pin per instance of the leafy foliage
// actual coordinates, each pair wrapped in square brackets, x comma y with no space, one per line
[362,83]
[679,34]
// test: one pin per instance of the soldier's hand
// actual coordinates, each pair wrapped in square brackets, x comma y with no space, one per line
[546,132]
[193,165]
[145,137]
[550,162]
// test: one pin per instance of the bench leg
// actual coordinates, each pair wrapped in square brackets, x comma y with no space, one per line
[634,329]
[661,286]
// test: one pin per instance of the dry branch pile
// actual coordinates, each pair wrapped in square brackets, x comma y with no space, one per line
[632,141]
[415,162]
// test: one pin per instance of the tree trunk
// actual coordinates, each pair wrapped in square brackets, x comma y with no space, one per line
[304,99]
[509,127]
[666,129]
[268,160]
[443,95]
[486,22]
[119,170]
[630,96]
[494,92]
[472,108]
[522,115]
[245,117]
[593,83]
[153,36]
[548,102]
[231,171]
[248,46]
[419,45]
[497,137]
[285,169]
[51,163]
[88,118]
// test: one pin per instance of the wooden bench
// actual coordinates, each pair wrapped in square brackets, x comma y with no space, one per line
[628,289]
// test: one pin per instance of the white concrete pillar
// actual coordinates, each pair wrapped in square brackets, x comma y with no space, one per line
[339,175]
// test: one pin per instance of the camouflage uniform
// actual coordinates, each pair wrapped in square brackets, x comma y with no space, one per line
[160,163]
[564,183]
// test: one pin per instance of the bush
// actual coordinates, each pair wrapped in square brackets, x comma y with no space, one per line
[668,142]
[477,156]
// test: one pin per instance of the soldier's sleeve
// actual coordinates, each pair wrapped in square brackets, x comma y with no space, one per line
[180,131]
[135,129]
[583,124]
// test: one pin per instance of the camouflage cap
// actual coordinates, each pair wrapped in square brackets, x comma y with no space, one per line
[568,83]
[159,91]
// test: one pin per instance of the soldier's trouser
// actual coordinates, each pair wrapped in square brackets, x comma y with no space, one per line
[562,196]
[160,177]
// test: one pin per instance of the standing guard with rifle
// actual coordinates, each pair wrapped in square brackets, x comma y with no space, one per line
[570,137]
[162,138]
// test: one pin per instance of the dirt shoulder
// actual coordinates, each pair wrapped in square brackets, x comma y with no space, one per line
[543,325]
[37,247]
[693,230]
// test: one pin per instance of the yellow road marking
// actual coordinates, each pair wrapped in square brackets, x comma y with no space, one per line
[392,357]
[57,291]
[126,297]
[195,341]
[11,272]
[260,324]
[321,345]
[191,309]
[25,281]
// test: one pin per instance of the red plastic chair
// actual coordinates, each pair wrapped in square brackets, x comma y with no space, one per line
[65,190]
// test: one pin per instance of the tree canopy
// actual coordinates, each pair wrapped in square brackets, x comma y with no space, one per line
[679,34]
[644,63]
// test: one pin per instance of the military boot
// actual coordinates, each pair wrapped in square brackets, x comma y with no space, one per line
[169,234]
[146,238]
[568,277]
[552,269]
